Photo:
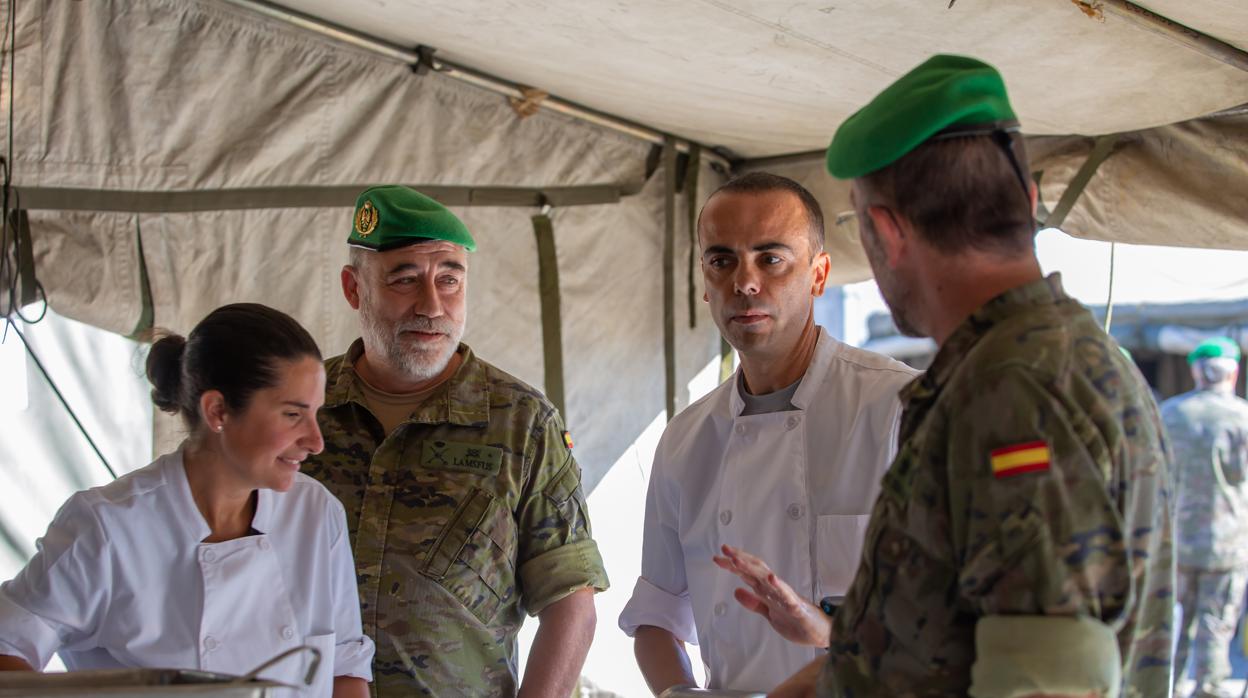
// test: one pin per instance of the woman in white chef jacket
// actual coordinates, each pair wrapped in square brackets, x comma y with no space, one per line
[217,556]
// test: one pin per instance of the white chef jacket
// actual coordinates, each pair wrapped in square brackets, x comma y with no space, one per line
[794,488]
[122,579]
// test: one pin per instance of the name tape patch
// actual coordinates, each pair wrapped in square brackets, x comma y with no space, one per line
[468,458]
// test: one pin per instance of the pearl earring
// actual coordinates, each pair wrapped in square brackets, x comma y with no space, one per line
[220,428]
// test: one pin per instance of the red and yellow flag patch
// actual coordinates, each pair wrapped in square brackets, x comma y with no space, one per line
[1020,458]
[567,439]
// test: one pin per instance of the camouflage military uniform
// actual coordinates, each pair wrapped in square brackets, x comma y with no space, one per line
[465,517]
[950,543]
[1209,433]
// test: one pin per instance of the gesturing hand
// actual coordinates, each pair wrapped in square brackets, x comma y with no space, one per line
[795,618]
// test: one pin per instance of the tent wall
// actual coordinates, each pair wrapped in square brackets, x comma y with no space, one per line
[1183,184]
[159,95]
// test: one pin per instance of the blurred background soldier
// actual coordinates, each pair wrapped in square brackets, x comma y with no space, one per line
[1208,429]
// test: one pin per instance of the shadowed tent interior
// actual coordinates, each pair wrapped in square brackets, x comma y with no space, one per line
[168,157]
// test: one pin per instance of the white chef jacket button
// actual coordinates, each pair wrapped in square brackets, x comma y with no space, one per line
[288,633]
[264,544]
[721,608]
[209,556]
[210,643]
[792,422]
[740,428]
[725,516]
[795,511]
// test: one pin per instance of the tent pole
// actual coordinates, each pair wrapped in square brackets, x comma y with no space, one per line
[464,73]
[1198,41]
[786,159]
[669,278]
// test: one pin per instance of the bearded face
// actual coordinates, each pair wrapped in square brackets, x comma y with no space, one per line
[420,347]
[412,304]
[898,293]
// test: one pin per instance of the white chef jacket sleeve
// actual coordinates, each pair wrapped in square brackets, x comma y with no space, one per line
[353,650]
[661,595]
[61,597]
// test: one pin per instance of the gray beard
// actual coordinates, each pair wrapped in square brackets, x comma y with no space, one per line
[417,364]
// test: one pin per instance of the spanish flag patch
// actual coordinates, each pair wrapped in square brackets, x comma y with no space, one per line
[567,439]
[1020,458]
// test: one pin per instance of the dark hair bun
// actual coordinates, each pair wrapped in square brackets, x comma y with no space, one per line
[164,370]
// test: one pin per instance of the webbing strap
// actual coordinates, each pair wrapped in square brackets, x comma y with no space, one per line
[27,290]
[552,319]
[147,314]
[1101,150]
[669,275]
[66,199]
[691,209]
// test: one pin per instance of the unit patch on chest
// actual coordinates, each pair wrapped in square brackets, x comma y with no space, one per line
[467,458]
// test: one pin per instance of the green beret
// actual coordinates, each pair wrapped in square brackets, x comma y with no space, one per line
[946,93]
[392,216]
[1214,348]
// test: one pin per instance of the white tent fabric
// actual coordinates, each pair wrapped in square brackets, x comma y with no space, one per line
[211,98]
[764,77]
[165,95]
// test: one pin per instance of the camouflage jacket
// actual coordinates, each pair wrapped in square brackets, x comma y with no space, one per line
[963,529]
[1209,434]
[468,515]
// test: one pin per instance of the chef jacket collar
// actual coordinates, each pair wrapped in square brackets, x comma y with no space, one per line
[825,349]
[192,525]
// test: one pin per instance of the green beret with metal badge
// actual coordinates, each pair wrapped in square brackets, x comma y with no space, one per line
[1214,348]
[945,96]
[393,216]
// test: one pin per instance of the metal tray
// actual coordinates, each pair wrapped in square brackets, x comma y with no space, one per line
[151,683]
[147,683]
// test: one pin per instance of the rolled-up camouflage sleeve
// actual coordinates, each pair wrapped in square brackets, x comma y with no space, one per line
[557,552]
[1032,521]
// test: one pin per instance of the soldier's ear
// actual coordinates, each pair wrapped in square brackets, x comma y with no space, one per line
[351,286]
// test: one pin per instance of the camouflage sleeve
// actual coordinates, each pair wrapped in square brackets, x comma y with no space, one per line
[557,554]
[1034,529]
[1232,454]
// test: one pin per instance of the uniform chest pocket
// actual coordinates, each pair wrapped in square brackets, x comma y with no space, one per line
[472,555]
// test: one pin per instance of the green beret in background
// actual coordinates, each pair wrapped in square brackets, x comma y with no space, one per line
[944,91]
[1214,348]
[392,216]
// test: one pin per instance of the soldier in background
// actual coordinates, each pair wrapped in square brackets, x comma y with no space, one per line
[464,503]
[1208,429]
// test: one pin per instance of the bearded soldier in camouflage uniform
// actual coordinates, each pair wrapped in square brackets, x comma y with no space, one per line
[1208,430]
[463,500]
[1020,544]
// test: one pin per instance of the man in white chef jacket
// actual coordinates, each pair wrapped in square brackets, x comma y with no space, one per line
[784,460]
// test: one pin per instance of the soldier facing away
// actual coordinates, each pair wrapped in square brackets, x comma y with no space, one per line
[463,501]
[1020,545]
[1208,430]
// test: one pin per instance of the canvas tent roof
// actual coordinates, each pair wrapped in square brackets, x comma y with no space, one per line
[175,155]
[766,77]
